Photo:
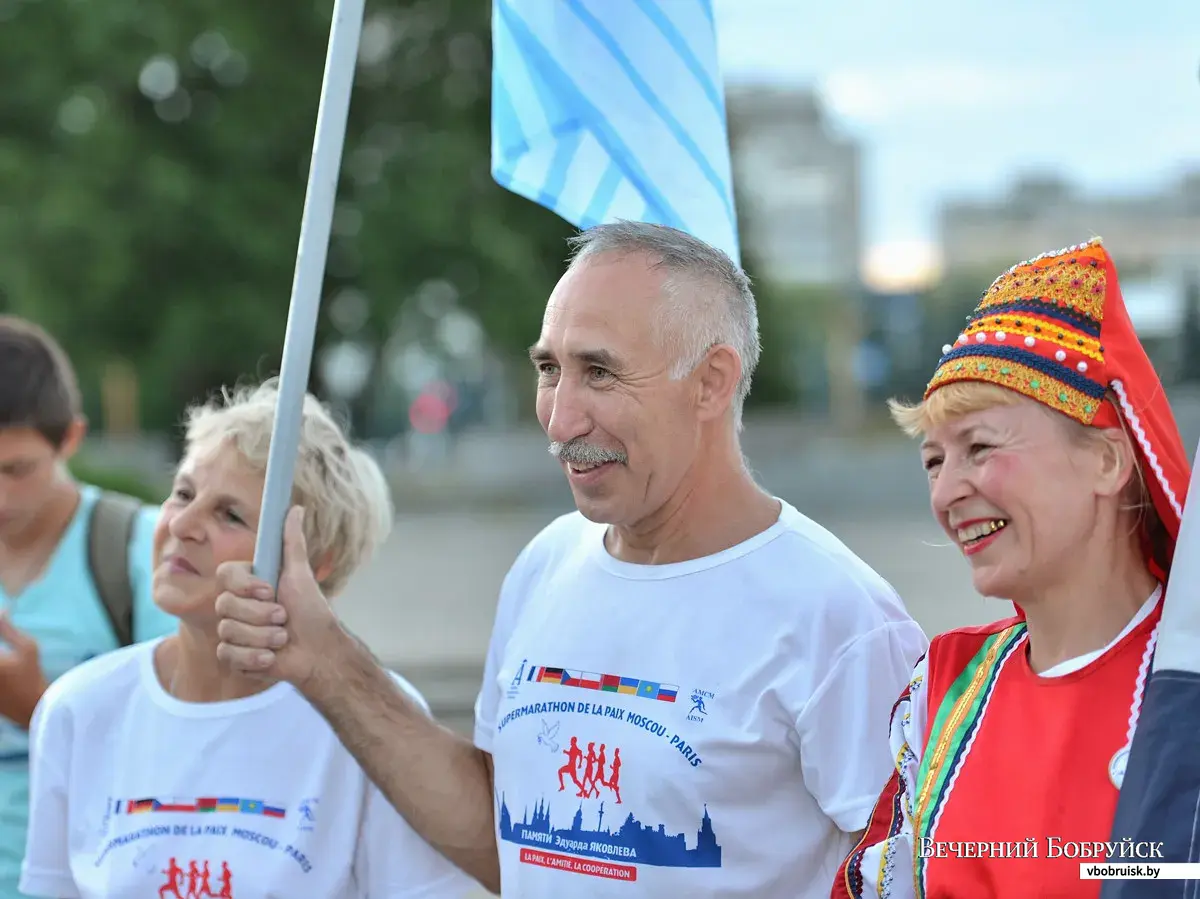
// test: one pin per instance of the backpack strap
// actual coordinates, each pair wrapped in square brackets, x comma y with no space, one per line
[109,533]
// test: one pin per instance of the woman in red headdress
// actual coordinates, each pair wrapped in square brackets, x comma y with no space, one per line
[1056,467]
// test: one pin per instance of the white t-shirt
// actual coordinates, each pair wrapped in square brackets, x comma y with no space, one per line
[746,696]
[135,793]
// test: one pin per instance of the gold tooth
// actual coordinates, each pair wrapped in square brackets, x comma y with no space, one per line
[992,526]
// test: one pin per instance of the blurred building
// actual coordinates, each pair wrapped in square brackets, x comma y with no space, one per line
[1146,233]
[1164,307]
[797,186]
[1154,238]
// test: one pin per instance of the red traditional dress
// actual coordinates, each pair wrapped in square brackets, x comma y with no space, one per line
[1016,775]
[1007,780]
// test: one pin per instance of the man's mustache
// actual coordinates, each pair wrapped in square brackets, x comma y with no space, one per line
[580,452]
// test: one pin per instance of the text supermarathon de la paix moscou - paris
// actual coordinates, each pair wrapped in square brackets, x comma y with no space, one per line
[1058,848]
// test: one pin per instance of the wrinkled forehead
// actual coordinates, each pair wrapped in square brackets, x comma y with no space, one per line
[1023,418]
[965,425]
[610,301]
[219,465]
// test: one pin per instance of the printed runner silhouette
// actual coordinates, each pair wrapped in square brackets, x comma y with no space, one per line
[614,779]
[593,772]
[198,882]
[589,773]
[589,784]
[574,754]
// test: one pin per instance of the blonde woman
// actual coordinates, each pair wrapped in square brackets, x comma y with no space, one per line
[1056,467]
[156,771]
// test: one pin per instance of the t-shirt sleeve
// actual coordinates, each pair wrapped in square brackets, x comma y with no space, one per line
[392,861]
[46,869]
[487,701]
[843,728]
[488,698]
[149,621]
[881,865]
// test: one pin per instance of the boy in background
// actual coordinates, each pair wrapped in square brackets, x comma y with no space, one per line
[74,561]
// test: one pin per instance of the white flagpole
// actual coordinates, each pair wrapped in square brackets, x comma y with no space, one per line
[315,225]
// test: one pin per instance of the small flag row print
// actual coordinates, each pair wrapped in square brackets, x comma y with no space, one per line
[604,683]
[205,804]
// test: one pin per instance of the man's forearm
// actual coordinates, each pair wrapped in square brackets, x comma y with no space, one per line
[438,781]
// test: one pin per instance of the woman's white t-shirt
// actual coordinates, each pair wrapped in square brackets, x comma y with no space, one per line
[135,793]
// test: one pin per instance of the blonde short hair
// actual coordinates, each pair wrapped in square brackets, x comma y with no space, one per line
[948,402]
[347,501]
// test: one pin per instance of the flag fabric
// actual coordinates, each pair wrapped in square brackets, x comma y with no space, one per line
[1158,809]
[606,110]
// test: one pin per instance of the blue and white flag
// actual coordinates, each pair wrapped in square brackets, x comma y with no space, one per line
[614,109]
[1158,810]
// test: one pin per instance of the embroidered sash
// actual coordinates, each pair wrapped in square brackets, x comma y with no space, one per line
[950,738]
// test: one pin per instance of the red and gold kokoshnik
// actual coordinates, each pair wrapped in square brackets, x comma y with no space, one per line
[1056,329]
[1036,330]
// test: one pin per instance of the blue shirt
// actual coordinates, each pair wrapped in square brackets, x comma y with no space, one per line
[63,612]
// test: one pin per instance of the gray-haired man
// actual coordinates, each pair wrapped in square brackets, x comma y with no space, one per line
[689,682]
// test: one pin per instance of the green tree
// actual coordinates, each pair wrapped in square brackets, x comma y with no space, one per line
[154,164]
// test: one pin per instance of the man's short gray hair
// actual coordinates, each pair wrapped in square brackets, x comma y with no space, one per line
[708,299]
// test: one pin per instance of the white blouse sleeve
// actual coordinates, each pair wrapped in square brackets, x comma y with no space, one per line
[882,863]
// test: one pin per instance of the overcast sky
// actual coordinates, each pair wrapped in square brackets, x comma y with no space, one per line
[950,102]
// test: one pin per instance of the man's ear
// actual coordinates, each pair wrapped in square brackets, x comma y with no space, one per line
[717,379]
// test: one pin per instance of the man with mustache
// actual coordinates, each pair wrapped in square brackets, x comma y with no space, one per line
[677,573]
